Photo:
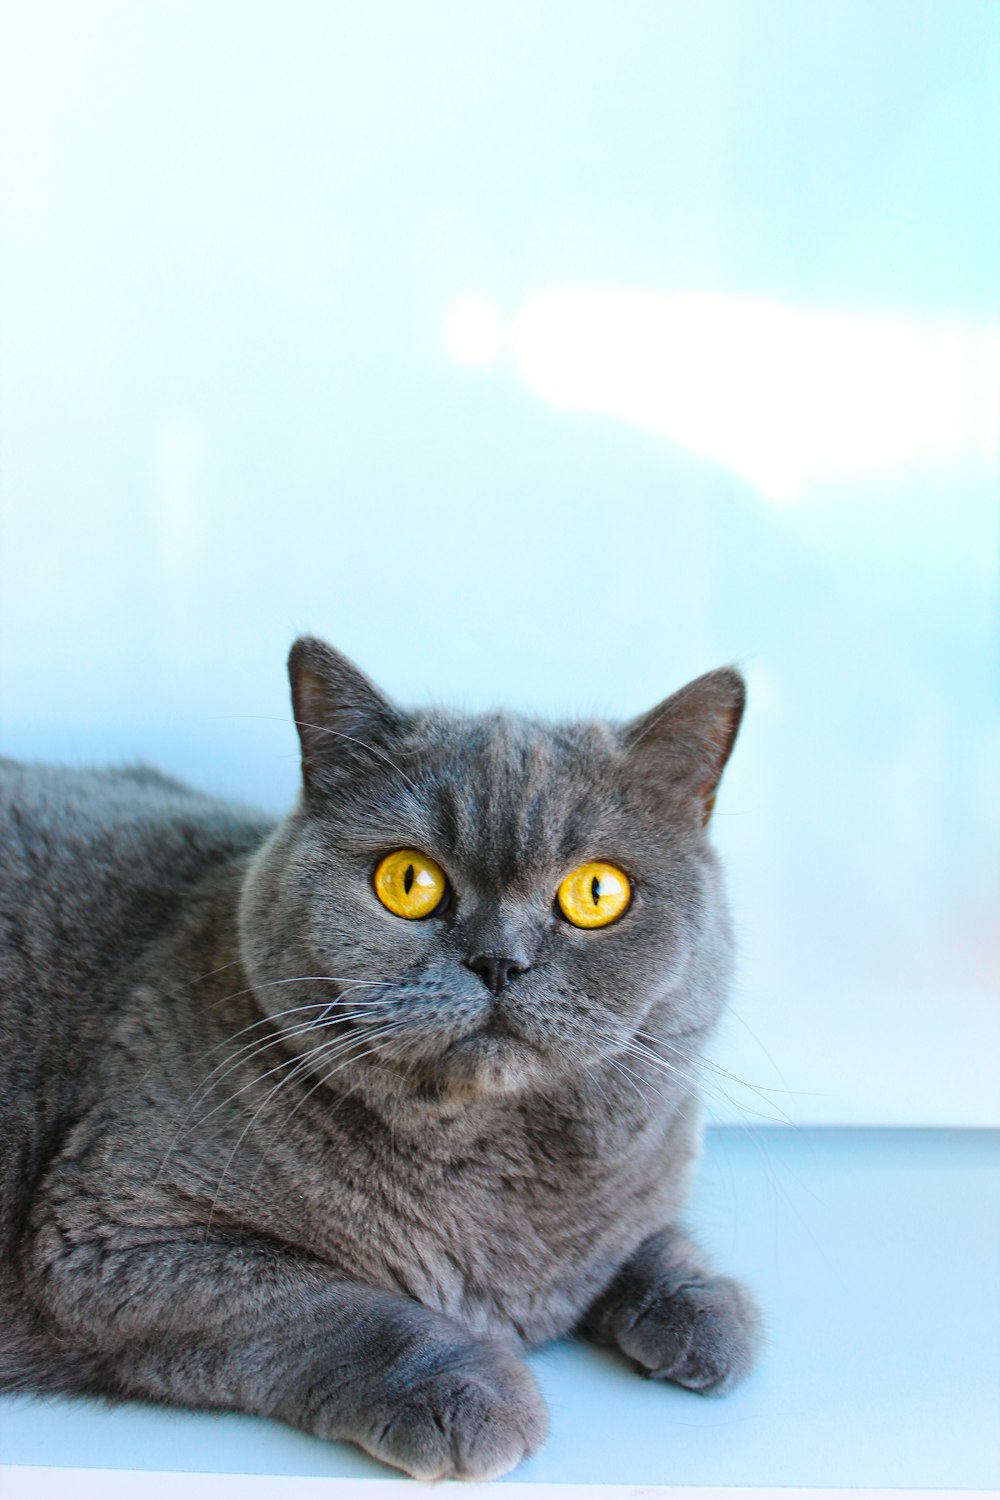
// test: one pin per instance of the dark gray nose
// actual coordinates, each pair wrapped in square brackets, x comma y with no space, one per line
[495,969]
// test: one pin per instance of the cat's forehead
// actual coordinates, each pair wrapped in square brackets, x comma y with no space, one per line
[509,795]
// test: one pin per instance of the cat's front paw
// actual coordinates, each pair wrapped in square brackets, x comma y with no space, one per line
[475,1418]
[703,1335]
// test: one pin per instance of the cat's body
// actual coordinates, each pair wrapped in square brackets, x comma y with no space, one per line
[267,1146]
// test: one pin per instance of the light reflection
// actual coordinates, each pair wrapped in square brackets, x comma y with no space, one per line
[474,332]
[783,396]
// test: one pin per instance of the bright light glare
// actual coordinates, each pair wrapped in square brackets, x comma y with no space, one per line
[474,332]
[781,395]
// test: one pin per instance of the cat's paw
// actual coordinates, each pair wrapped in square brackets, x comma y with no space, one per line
[704,1335]
[475,1418]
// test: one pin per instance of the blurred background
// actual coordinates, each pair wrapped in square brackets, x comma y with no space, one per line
[544,354]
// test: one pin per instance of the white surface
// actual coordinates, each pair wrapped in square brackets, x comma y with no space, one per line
[109,1484]
[546,354]
[874,1254]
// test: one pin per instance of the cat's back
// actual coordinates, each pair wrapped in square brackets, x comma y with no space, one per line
[94,866]
[93,861]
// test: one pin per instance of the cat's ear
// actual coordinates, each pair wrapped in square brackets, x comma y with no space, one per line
[338,710]
[685,741]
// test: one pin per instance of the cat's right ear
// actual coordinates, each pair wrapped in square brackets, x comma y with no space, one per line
[339,712]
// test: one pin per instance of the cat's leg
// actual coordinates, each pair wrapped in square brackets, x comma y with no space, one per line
[253,1326]
[673,1317]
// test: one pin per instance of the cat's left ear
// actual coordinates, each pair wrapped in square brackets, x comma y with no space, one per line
[686,740]
[340,714]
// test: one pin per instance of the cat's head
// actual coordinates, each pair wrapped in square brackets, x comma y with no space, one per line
[476,904]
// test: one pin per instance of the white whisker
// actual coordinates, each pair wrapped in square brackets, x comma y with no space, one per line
[235,1060]
[340,735]
[337,1046]
[265,984]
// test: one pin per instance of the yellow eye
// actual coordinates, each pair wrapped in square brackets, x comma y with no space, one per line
[409,883]
[594,894]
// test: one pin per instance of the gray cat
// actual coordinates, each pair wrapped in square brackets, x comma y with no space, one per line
[330,1121]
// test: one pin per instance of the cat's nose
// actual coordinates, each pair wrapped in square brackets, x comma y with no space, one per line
[496,970]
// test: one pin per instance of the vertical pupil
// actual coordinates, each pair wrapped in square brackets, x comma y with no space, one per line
[595,890]
[408,879]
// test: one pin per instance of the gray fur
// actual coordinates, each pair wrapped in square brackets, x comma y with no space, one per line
[268,1147]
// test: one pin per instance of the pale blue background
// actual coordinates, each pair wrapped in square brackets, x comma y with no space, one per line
[232,239]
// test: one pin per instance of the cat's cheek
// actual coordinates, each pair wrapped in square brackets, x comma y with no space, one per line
[629,964]
[340,936]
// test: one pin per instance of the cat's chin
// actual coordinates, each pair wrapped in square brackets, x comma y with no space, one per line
[479,1067]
